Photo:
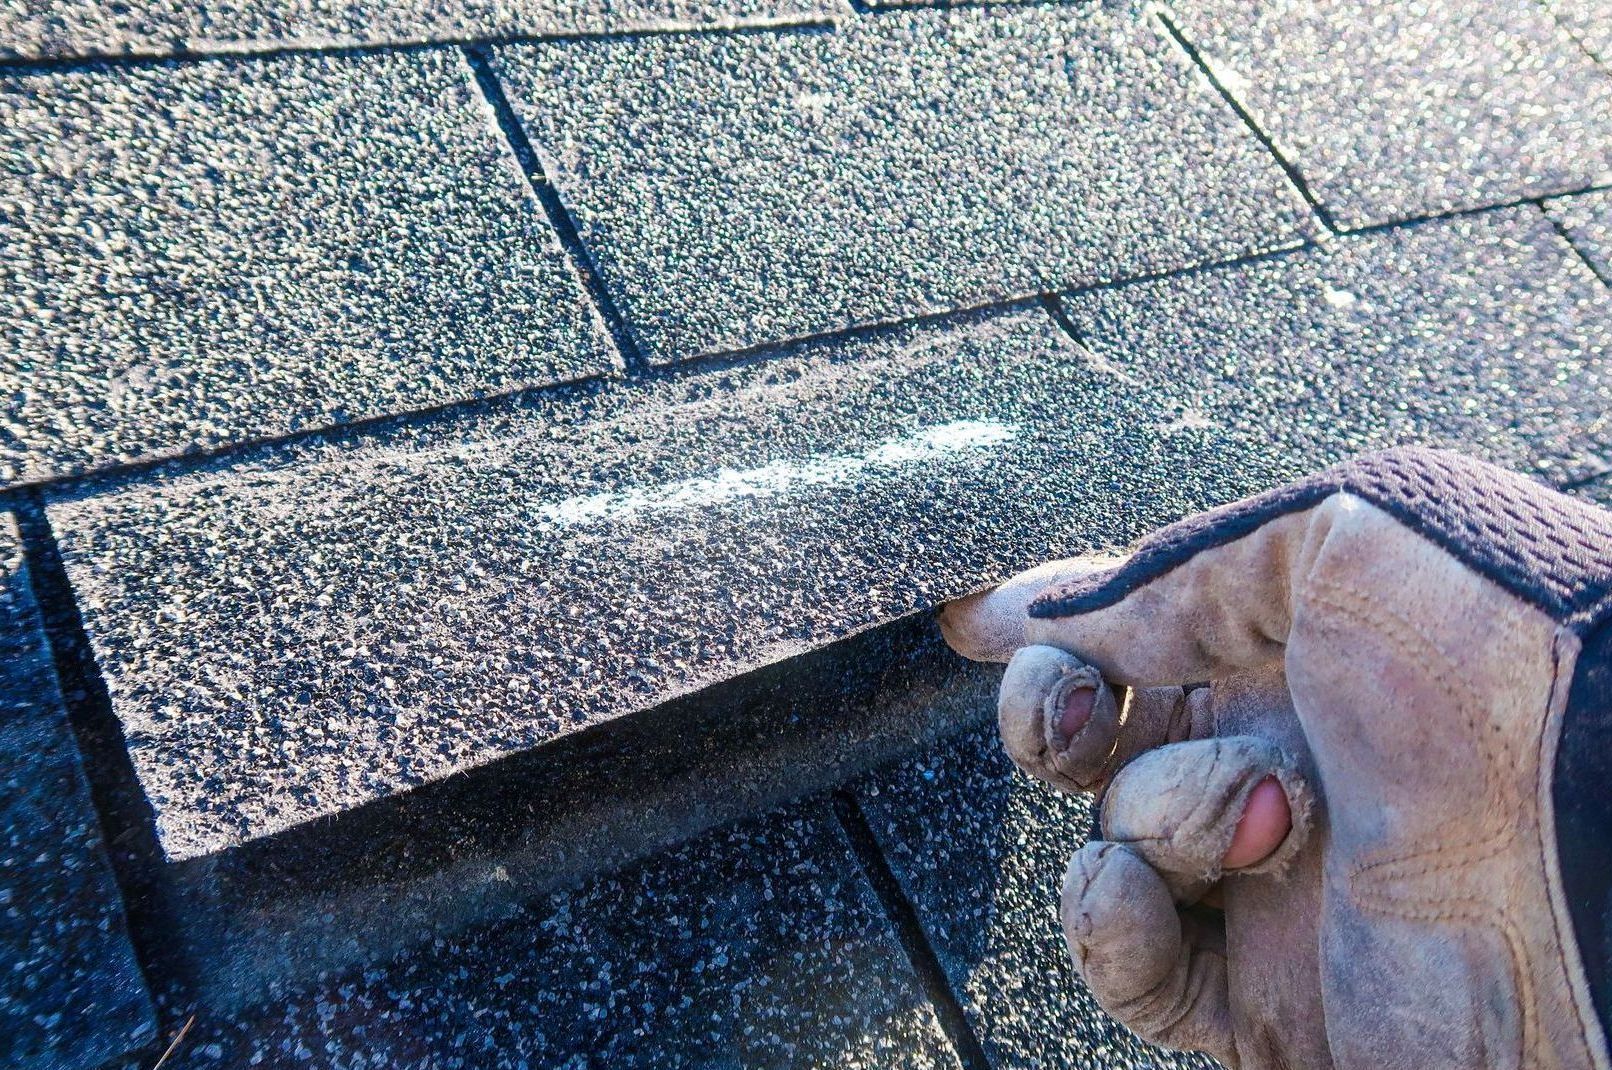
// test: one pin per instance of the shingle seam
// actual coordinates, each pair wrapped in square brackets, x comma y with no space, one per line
[904,918]
[1532,199]
[76,484]
[1294,175]
[71,483]
[1566,236]
[1187,271]
[66,484]
[128,824]
[576,250]
[247,53]
[1060,316]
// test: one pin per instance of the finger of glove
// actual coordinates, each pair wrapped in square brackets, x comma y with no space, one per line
[1201,599]
[1179,807]
[989,625]
[1141,964]
[1062,723]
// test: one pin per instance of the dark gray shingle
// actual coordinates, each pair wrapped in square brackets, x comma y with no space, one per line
[39,28]
[72,996]
[744,189]
[195,255]
[981,849]
[1395,110]
[314,628]
[759,946]
[1485,333]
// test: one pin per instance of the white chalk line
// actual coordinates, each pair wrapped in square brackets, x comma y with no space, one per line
[927,446]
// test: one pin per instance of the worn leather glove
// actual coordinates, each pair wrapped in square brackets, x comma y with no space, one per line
[1388,652]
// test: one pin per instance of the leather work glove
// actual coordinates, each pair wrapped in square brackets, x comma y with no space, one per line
[1380,660]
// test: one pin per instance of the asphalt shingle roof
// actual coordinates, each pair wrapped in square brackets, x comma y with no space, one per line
[560,363]
[612,548]
[759,945]
[618,546]
[1392,111]
[739,190]
[67,28]
[1486,333]
[211,252]
[71,995]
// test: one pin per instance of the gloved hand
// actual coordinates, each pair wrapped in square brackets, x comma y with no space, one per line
[1346,701]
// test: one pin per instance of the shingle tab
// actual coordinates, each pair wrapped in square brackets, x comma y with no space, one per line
[739,190]
[195,255]
[759,946]
[324,626]
[980,850]
[59,28]
[1394,110]
[73,996]
[1485,333]
[1587,219]
[319,627]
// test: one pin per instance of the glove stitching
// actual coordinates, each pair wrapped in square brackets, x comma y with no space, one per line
[1370,880]
[1498,824]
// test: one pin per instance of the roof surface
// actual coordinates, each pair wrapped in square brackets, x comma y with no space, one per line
[403,393]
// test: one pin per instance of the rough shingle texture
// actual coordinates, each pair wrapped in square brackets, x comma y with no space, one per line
[72,995]
[195,255]
[980,850]
[40,28]
[1587,219]
[1486,334]
[759,946]
[320,627]
[1591,22]
[356,621]
[738,190]
[1393,110]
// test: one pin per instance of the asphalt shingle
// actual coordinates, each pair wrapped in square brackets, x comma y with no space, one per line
[980,850]
[1591,22]
[1394,110]
[58,28]
[357,620]
[195,255]
[320,626]
[73,996]
[1485,333]
[759,946]
[1587,219]
[1599,492]
[739,190]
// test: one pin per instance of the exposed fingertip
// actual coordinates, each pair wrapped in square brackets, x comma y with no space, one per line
[1266,821]
[1076,710]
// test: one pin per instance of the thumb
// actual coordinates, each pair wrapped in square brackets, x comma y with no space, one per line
[1201,599]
